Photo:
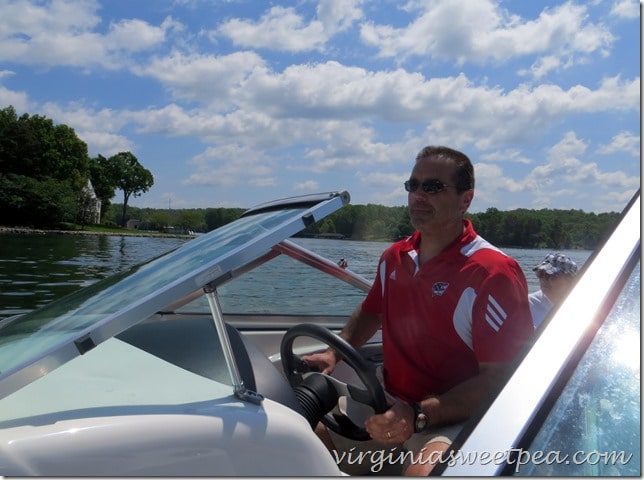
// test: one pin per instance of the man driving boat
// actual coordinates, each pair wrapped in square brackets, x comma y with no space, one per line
[453,311]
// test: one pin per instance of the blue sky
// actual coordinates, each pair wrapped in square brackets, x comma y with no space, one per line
[234,102]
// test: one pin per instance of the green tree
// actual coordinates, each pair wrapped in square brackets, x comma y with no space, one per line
[557,234]
[216,217]
[44,169]
[343,221]
[99,175]
[189,220]
[8,141]
[158,220]
[404,227]
[129,176]
[33,146]
[67,155]
[39,203]
[327,226]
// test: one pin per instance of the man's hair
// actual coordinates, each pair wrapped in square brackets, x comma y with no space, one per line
[464,177]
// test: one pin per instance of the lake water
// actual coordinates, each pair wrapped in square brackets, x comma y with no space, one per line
[37,269]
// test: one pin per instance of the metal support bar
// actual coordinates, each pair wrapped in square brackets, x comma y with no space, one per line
[308,257]
[239,389]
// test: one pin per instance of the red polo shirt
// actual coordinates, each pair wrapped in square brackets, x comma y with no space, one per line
[466,306]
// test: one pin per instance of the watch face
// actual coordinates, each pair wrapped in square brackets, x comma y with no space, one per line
[421,422]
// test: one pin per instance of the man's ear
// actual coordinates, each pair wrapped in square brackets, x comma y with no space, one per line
[466,199]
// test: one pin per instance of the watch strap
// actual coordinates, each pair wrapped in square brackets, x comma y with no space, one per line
[420,418]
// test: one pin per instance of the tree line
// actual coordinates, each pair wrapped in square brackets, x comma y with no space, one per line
[44,173]
[522,228]
[44,170]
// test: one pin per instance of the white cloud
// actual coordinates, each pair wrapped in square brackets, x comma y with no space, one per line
[231,164]
[380,179]
[491,177]
[325,107]
[285,119]
[204,78]
[308,186]
[626,9]
[484,32]
[387,188]
[284,29]
[263,182]
[106,144]
[489,118]
[566,167]
[333,109]
[493,185]
[622,142]
[65,32]
[510,156]
[19,100]
[279,29]
[99,129]
[542,66]
[135,35]
[563,180]
[172,120]
[31,19]
[339,15]
[569,146]
[347,145]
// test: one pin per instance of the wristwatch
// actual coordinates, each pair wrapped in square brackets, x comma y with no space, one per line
[420,419]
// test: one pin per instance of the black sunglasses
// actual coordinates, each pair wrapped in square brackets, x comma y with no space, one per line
[432,185]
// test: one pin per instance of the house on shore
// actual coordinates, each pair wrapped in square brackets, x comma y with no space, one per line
[91,204]
[133,224]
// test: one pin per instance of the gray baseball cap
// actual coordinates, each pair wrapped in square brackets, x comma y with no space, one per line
[555,263]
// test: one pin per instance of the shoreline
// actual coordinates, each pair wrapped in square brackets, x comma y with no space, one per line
[38,231]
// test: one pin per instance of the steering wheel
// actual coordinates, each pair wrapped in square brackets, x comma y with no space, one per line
[319,393]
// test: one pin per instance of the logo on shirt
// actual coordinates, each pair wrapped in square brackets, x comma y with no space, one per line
[439,288]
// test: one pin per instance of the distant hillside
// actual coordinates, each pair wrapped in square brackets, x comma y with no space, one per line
[523,228]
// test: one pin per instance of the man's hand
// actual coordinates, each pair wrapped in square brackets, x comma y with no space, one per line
[394,426]
[325,361]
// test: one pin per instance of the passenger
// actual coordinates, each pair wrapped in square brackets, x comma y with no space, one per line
[453,310]
[556,276]
[342,263]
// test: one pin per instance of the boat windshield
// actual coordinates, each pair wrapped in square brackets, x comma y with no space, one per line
[36,343]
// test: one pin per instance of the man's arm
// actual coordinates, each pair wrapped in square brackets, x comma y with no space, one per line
[360,328]
[460,402]
[396,425]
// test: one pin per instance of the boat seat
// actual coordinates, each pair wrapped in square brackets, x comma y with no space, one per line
[193,344]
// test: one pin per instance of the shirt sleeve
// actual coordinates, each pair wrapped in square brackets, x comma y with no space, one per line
[502,321]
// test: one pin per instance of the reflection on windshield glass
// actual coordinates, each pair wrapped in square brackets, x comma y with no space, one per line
[594,427]
[42,331]
[283,286]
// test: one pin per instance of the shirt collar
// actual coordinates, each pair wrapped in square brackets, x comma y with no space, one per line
[413,242]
